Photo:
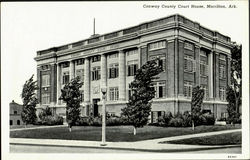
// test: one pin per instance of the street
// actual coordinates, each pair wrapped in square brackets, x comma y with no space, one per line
[58,149]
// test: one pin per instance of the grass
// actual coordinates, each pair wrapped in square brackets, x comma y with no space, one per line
[221,139]
[114,133]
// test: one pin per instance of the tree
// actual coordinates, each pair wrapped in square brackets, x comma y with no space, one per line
[139,106]
[234,92]
[29,99]
[72,96]
[196,102]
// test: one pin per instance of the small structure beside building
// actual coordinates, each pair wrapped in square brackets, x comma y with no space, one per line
[15,113]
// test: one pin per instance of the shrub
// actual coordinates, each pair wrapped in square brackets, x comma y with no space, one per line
[209,119]
[176,122]
[83,121]
[97,121]
[44,113]
[113,121]
[52,120]
[187,119]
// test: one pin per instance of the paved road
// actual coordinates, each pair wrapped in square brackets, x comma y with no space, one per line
[55,149]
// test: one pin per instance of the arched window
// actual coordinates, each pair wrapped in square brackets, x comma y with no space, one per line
[18,122]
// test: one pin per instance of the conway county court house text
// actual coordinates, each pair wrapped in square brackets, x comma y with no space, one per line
[189,53]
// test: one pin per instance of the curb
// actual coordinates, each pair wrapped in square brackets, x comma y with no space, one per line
[133,149]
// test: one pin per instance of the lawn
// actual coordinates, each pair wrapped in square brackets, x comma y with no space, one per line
[114,133]
[221,139]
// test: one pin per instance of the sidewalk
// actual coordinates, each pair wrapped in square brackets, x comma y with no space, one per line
[145,145]
[37,127]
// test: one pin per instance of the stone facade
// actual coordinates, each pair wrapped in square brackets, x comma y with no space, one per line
[189,53]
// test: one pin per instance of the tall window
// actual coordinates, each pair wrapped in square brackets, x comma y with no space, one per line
[132,52]
[82,95]
[113,55]
[65,77]
[222,93]
[160,62]
[187,89]
[45,80]
[45,98]
[203,68]
[189,64]
[160,89]
[189,46]
[96,73]
[132,67]
[157,45]
[222,71]
[206,95]
[96,58]
[113,93]
[80,74]
[79,62]
[113,70]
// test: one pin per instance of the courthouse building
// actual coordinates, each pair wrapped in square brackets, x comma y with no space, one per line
[190,55]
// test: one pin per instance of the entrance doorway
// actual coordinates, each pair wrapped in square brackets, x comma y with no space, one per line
[95,106]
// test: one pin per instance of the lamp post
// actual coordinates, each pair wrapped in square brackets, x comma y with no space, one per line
[104,91]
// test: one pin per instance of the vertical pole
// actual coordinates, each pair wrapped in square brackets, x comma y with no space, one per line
[103,121]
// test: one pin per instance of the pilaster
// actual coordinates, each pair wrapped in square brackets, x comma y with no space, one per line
[87,81]
[71,70]
[122,78]
[58,78]
[197,63]
[103,70]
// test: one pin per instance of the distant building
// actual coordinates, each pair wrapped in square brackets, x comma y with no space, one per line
[190,54]
[15,113]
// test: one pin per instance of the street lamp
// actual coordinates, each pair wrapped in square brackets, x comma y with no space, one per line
[104,91]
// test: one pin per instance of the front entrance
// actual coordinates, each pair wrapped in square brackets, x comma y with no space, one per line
[95,106]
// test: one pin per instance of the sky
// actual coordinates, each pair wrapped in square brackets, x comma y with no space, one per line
[28,27]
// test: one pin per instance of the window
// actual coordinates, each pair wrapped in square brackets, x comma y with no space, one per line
[11,122]
[45,98]
[113,55]
[79,62]
[15,112]
[45,67]
[222,71]
[113,70]
[157,45]
[96,58]
[160,89]
[203,68]
[206,95]
[65,77]
[65,64]
[224,115]
[132,67]
[82,95]
[96,73]
[45,80]
[189,46]
[113,93]
[187,89]
[222,93]
[189,64]
[18,122]
[155,115]
[80,74]
[222,57]
[132,52]
[161,62]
